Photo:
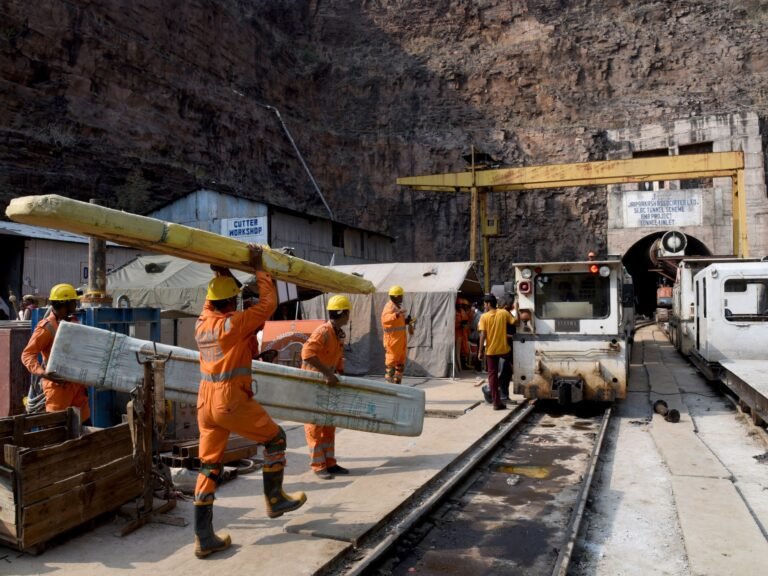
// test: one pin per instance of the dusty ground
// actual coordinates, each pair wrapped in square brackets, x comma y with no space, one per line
[631,526]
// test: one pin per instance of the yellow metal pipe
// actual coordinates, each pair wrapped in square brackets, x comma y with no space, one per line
[155,235]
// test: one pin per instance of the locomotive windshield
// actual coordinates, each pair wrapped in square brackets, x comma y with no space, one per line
[746,300]
[572,295]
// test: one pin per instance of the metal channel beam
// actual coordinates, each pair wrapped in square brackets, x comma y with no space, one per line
[718,164]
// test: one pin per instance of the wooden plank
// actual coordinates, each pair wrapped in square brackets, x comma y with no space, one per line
[34,440]
[32,496]
[43,474]
[33,421]
[83,447]
[38,438]
[177,240]
[11,456]
[46,519]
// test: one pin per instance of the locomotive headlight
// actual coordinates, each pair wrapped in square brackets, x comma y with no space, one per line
[524,287]
[526,273]
[605,271]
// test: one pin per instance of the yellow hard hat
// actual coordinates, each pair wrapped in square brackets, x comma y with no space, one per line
[62,293]
[396,291]
[339,302]
[222,288]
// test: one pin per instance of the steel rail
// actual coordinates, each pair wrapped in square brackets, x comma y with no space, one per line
[488,444]
[564,557]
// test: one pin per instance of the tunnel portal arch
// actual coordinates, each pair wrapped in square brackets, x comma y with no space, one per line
[638,263]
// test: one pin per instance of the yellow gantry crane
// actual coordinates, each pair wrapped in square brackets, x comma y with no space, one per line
[479,182]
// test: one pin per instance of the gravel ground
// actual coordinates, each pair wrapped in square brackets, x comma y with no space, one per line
[631,525]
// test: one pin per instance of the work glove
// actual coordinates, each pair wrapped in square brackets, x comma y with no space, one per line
[408,319]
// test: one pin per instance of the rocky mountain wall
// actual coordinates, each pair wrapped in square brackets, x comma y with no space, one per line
[141,102]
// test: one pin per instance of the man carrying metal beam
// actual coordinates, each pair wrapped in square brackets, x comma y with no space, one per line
[324,352]
[225,400]
[58,395]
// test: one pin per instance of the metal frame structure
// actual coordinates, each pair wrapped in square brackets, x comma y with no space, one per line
[478,182]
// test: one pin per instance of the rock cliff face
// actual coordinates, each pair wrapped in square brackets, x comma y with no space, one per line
[138,103]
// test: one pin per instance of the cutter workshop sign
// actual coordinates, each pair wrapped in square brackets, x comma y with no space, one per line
[661,209]
[253,229]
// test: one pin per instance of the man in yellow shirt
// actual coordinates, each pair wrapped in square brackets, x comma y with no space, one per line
[493,344]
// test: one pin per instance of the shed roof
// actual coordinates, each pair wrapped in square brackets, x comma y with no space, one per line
[42,233]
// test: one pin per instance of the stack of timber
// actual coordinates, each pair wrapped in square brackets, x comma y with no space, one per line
[104,359]
[155,235]
[52,479]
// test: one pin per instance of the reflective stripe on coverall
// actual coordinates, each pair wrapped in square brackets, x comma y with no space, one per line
[225,401]
[395,342]
[58,395]
[324,345]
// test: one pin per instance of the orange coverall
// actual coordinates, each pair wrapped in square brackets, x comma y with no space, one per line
[224,401]
[58,395]
[462,333]
[395,342]
[326,346]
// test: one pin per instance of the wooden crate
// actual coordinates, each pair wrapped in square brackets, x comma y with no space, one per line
[52,480]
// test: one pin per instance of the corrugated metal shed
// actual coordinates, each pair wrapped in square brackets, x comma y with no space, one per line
[49,257]
[315,239]
[205,209]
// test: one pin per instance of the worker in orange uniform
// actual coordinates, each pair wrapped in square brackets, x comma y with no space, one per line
[324,352]
[461,332]
[397,324]
[58,395]
[493,344]
[225,401]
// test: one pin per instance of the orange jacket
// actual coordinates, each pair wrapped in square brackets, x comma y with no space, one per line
[326,346]
[224,340]
[41,342]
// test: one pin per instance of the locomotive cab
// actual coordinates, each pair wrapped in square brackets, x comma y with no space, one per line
[575,345]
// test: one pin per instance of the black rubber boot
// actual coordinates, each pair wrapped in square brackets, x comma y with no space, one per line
[278,502]
[206,540]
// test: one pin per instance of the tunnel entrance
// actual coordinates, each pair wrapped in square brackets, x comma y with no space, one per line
[638,263]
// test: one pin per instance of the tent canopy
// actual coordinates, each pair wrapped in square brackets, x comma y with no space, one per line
[430,288]
[175,285]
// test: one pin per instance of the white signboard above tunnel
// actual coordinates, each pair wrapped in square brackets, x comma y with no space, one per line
[253,229]
[662,208]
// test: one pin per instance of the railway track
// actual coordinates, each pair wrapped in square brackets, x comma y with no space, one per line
[513,505]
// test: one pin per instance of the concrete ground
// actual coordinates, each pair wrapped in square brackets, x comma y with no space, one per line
[385,471]
[672,499]
[676,499]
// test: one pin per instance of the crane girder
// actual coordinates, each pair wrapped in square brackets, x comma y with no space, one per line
[599,173]
[714,165]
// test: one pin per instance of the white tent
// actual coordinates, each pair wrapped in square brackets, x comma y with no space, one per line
[173,284]
[431,290]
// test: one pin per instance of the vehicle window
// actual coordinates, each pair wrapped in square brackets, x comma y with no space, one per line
[746,300]
[572,295]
